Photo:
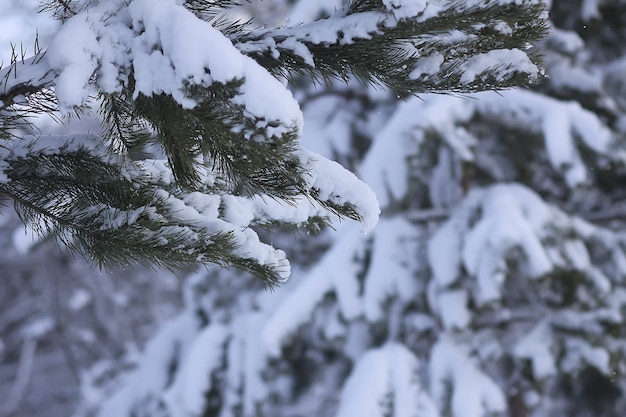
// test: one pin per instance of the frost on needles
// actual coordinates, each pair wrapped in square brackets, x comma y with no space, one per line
[197,140]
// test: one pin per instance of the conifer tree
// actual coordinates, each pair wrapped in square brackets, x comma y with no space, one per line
[198,140]
[492,285]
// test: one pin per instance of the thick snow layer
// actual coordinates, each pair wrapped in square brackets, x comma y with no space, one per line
[153,38]
[391,144]
[333,272]
[471,254]
[454,374]
[73,53]
[335,184]
[151,378]
[452,306]
[535,346]
[37,328]
[390,269]
[581,353]
[423,9]
[384,382]
[512,216]
[590,10]
[187,394]
[499,63]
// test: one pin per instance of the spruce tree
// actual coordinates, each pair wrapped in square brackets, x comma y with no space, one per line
[492,285]
[198,139]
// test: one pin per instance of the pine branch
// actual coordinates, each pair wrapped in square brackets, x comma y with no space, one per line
[25,91]
[229,143]
[246,155]
[111,212]
[406,55]
[59,9]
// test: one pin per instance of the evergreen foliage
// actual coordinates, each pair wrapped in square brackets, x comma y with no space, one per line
[196,130]
[493,284]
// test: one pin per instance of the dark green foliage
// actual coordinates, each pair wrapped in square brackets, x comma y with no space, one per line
[97,210]
[387,57]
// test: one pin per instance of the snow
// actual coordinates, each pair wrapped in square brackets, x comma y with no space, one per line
[31,146]
[73,53]
[564,41]
[535,346]
[37,328]
[389,180]
[473,393]
[500,63]
[426,66]
[420,9]
[335,184]
[299,49]
[580,353]
[236,211]
[187,394]
[513,215]
[590,10]
[332,272]
[328,126]
[565,127]
[151,37]
[503,217]
[389,273]
[365,389]
[444,253]
[561,152]
[32,71]
[151,378]
[99,47]
[452,306]
[79,299]
[470,249]
[443,188]
[254,360]
[330,181]
[383,380]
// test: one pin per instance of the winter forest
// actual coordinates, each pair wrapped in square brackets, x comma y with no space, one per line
[288,208]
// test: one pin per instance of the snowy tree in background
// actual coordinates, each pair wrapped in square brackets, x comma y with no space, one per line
[493,284]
